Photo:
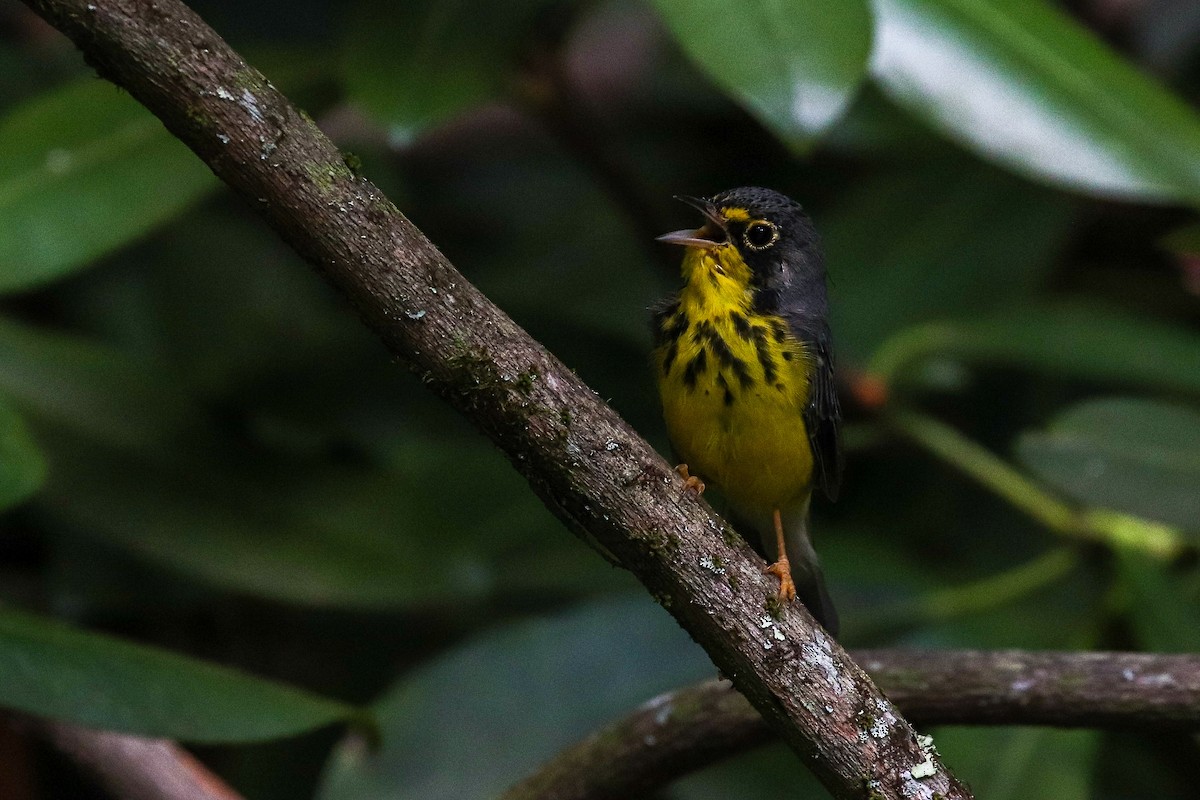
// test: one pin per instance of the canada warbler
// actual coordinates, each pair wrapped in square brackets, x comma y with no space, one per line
[743,361]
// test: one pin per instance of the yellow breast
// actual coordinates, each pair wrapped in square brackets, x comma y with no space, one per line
[734,386]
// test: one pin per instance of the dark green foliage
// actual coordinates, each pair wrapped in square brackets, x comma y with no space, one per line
[86,170]
[49,669]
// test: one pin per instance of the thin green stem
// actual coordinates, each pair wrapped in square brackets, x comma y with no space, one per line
[1000,589]
[986,468]
[986,594]
[1106,526]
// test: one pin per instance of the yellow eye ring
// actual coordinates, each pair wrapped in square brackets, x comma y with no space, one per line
[760,234]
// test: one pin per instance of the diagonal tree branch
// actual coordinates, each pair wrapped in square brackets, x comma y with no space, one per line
[690,728]
[585,463]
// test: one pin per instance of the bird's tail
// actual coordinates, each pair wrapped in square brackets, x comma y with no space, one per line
[806,570]
[806,567]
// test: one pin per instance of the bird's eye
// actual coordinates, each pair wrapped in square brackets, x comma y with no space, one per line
[761,234]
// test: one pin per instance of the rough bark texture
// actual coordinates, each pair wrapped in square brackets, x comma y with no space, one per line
[1015,687]
[680,731]
[585,463]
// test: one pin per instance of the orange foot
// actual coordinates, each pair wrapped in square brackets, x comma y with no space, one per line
[690,482]
[783,570]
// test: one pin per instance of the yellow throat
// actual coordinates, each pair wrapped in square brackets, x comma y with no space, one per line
[734,384]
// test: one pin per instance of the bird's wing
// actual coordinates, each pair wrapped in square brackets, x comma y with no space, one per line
[823,412]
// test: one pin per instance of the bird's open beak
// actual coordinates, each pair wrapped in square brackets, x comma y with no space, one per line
[711,234]
[690,238]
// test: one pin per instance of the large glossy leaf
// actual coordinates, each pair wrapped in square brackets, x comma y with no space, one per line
[411,65]
[1078,341]
[1134,455]
[49,669]
[22,466]
[85,170]
[795,65]
[894,262]
[1021,83]
[483,716]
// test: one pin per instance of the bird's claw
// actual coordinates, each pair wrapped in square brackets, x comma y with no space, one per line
[691,483]
[787,587]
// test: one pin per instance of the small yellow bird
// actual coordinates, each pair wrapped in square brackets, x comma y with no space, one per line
[743,360]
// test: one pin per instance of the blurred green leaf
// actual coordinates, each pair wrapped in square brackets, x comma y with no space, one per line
[995,591]
[894,262]
[1184,241]
[1038,620]
[412,65]
[168,485]
[22,465]
[1133,764]
[49,669]
[1078,341]
[873,125]
[1021,763]
[795,65]
[1134,455]
[236,532]
[66,382]
[483,716]
[349,537]
[25,71]
[246,327]
[1021,83]
[236,310]
[86,170]
[1163,603]
[766,773]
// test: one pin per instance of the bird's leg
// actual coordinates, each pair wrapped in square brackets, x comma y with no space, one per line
[782,568]
[690,482]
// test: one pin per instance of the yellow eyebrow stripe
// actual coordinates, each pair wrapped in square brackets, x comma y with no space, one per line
[734,214]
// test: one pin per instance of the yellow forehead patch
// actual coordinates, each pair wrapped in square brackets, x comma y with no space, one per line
[734,214]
